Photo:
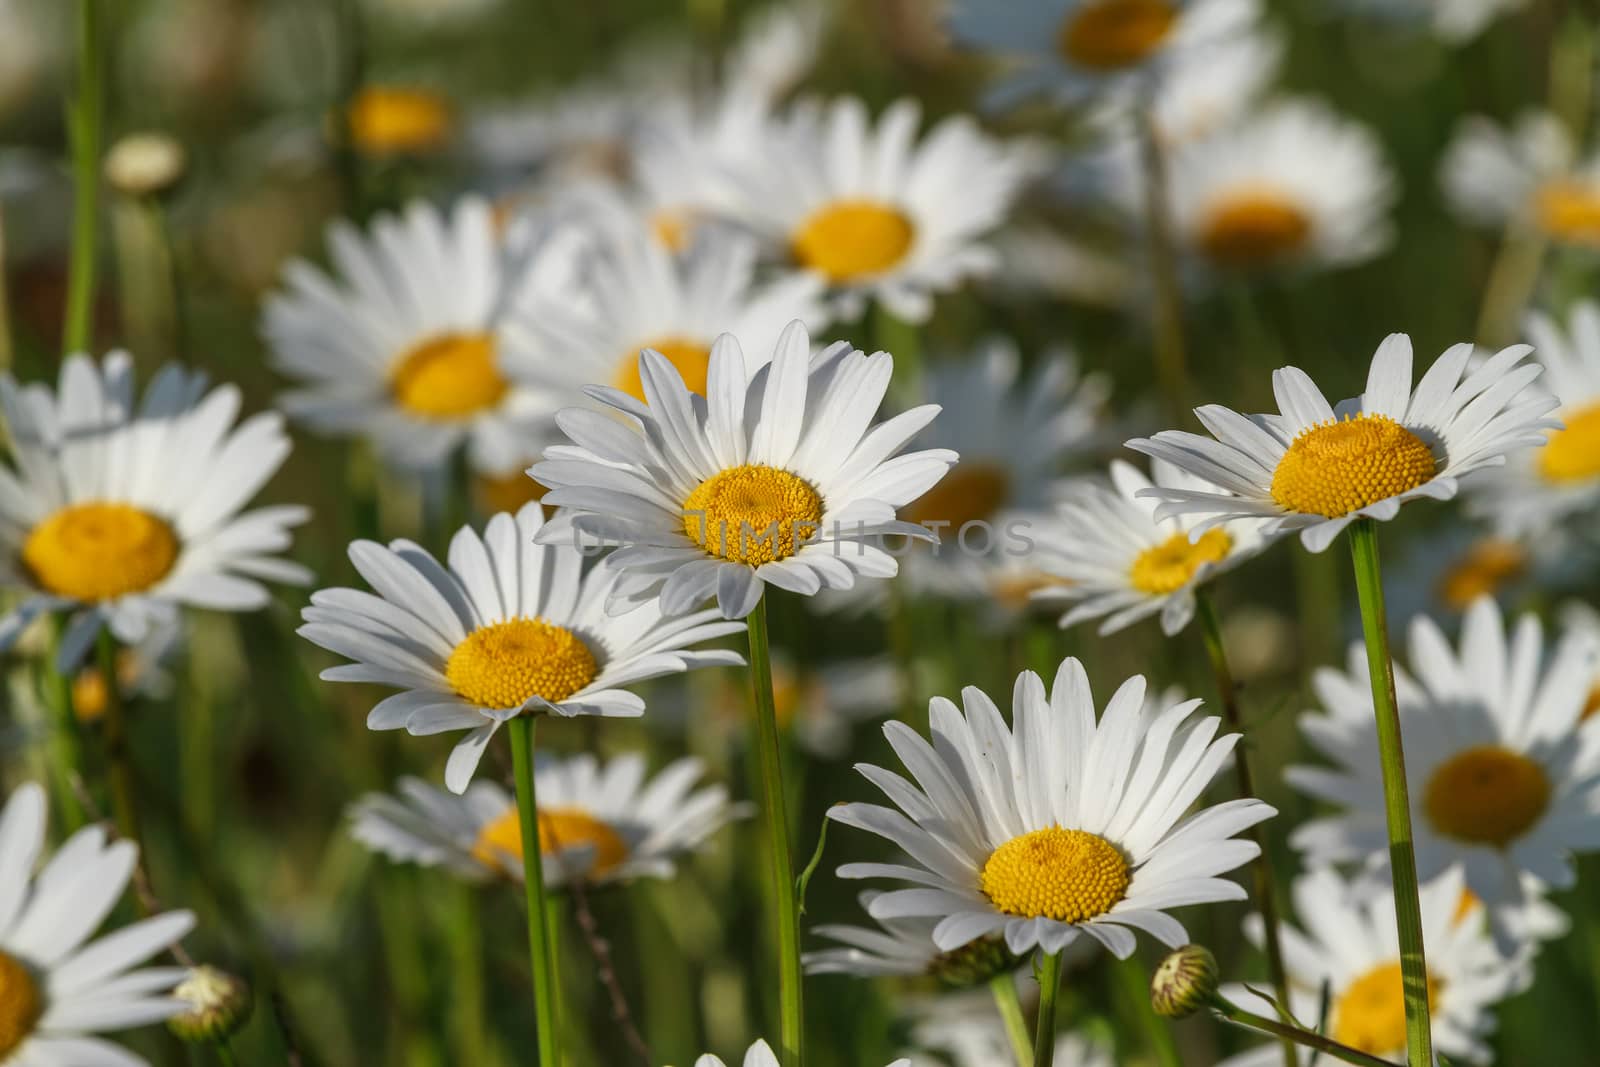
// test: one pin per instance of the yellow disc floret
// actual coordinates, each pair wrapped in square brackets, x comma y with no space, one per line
[852,239]
[1483,569]
[1067,875]
[969,492]
[449,377]
[752,514]
[1167,567]
[1111,35]
[21,1004]
[1338,466]
[1486,795]
[504,664]
[390,120]
[559,829]
[1371,1014]
[1569,211]
[1253,228]
[1573,454]
[100,551]
[691,358]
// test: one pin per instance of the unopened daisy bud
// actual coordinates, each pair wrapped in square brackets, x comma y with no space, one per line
[145,164]
[218,1004]
[1184,982]
[973,963]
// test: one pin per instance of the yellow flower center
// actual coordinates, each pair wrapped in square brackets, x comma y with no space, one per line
[691,359]
[1167,567]
[504,664]
[449,377]
[969,492]
[100,551]
[788,691]
[387,120]
[1340,465]
[673,229]
[559,828]
[1067,875]
[1486,795]
[1484,568]
[1371,1015]
[21,1004]
[506,492]
[1110,35]
[1573,453]
[852,239]
[1569,211]
[1254,228]
[752,514]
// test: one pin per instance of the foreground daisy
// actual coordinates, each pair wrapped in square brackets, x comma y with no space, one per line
[601,823]
[55,990]
[1058,826]
[760,1055]
[510,628]
[1315,468]
[776,477]
[119,510]
[1531,176]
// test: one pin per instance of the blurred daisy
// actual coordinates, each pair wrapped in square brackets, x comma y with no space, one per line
[407,344]
[55,990]
[1119,562]
[1503,781]
[511,628]
[1058,826]
[1350,953]
[119,513]
[141,671]
[974,1039]
[1316,469]
[879,215]
[1582,622]
[399,120]
[760,1055]
[903,947]
[1206,91]
[1532,176]
[602,823]
[1455,21]
[776,477]
[818,704]
[1445,572]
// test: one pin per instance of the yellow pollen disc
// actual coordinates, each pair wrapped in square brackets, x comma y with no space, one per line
[386,120]
[506,492]
[788,690]
[21,1004]
[1113,34]
[1340,465]
[1569,211]
[1484,568]
[969,492]
[1486,795]
[559,828]
[449,377]
[504,664]
[100,551]
[1067,875]
[1255,228]
[1371,1015]
[1592,704]
[673,229]
[1573,453]
[1167,567]
[851,239]
[691,359]
[752,514]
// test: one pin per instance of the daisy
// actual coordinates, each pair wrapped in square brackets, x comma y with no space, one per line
[904,947]
[774,477]
[818,704]
[510,628]
[1315,468]
[876,212]
[407,344]
[978,1039]
[760,1055]
[1532,176]
[1118,561]
[1059,826]
[1351,949]
[119,512]
[1502,779]
[601,823]
[387,121]
[1204,92]
[141,671]
[55,990]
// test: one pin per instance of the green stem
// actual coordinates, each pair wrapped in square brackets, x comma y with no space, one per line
[1133,987]
[1171,354]
[468,1025]
[66,740]
[1044,1045]
[119,768]
[1249,1020]
[1512,278]
[1004,988]
[85,117]
[540,954]
[225,1054]
[1396,802]
[1261,869]
[776,824]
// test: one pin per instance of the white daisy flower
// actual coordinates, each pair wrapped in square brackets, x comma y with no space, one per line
[760,1055]
[1117,561]
[775,476]
[510,628]
[903,947]
[1058,826]
[406,344]
[602,823]
[978,1039]
[121,512]
[1454,21]
[56,991]
[141,671]
[1351,948]
[818,704]
[1531,175]
[1316,468]
[876,212]
[1205,91]
[1503,780]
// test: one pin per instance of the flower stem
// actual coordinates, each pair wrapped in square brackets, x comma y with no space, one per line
[540,953]
[468,1022]
[1171,355]
[1004,988]
[66,740]
[1044,1044]
[1396,802]
[225,1054]
[1249,1020]
[1228,696]
[119,769]
[85,117]
[776,820]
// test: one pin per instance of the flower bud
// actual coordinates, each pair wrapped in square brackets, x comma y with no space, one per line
[218,1004]
[973,963]
[145,164]
[1184,983]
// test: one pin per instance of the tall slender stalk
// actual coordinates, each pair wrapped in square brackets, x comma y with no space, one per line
[1228,696]
[1004,988]
[119,766]
[541,955]
[1396,802]
[1172,372]
[66,739]
[469,1030]
[776,823]
[1044,1044]
[1295,1035]
[85,119]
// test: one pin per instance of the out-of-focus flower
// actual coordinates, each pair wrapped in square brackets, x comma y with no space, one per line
[819,704]
[145,164]
[141,672]
[1455,21]
[1531,175]
[905,948]
[216,1004]
[977,1038]
[24,53]
[396,120]
[760,1055]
